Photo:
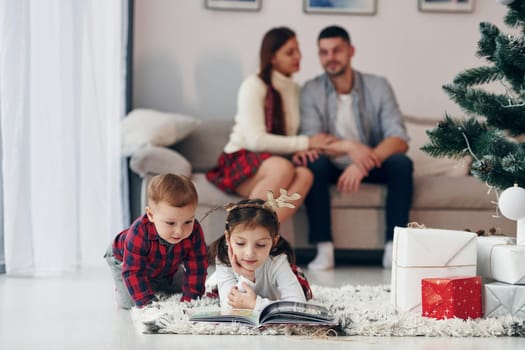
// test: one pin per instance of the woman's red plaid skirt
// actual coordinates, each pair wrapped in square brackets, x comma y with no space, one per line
[235,168]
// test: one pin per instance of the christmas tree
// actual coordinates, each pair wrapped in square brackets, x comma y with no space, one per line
[490,134]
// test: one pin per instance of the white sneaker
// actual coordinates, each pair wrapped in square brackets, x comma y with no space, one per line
[324,260]
[320,264]
[387,255]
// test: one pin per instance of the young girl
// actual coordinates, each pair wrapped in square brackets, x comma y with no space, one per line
[254,265]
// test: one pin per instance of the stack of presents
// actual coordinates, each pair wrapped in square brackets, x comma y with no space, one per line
[456,274]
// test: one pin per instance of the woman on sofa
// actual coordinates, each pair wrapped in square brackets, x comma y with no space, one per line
[266,125]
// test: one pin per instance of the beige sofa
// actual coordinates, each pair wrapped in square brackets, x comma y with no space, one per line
[445,196]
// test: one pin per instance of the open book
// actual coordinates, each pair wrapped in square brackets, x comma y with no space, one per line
[279,312]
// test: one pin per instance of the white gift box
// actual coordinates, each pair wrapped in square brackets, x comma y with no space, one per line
[507,263]
[428,253]
[486,246]
[501,299]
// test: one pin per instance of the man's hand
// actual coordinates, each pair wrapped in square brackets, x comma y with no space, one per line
[350,179]
[236,267]
[364,157]
[303,157]
[242,300]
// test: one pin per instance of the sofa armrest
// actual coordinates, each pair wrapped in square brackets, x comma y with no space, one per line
[159,160]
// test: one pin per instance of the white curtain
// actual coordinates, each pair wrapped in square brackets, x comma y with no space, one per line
[62,84]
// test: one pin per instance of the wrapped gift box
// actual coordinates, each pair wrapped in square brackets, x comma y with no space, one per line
[502,299]
[485,249]
[428,253]
[451,297]
[506,263]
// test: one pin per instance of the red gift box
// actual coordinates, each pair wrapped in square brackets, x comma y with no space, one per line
[450,297]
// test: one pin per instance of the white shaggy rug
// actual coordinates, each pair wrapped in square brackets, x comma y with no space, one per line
[362,310]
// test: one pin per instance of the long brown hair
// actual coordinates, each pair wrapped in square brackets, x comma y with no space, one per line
[272,41]
[251,213]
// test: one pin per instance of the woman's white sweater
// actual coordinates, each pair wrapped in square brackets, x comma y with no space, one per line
[249,131]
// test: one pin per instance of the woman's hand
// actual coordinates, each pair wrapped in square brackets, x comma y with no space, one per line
[237,268]
[242,300]
[318,141]
[303,157]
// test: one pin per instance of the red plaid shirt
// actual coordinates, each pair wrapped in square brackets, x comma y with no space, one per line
[146,256]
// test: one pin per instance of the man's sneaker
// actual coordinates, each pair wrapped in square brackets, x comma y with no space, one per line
[324,260]
[321,263]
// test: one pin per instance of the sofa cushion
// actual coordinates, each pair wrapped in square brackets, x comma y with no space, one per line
[425,165]
[203,146]
[144,127]
[209,194]
[447,192]
[430,192]
[368,196]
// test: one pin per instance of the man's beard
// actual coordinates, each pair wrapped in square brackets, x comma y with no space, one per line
[337,73]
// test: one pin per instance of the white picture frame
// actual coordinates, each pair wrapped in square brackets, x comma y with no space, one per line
[343,7]
[446,5]
[233,5]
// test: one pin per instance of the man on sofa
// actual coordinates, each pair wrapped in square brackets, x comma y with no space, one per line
[361,111]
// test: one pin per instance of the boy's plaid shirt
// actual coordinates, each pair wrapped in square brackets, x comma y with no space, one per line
[146,256]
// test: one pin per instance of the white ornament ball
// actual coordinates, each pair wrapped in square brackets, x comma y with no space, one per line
[512,203]
[505,2]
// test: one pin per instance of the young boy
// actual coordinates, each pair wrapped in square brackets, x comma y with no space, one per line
[145,257]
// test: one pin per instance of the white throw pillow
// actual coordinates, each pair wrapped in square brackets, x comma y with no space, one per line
[153,160]
[425,165]
[143,127]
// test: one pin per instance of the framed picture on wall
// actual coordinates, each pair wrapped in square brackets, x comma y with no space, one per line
[348,7]
[236,5]
[446,5]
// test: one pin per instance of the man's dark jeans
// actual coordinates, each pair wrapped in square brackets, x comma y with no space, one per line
[395,173]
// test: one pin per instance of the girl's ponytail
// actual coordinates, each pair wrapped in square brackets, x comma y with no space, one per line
[218,250]
[283,247]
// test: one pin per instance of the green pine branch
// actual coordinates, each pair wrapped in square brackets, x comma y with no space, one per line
[516,15]
[510,59]
[487,43]
[500,111]
[498,160]
[489,170]
[514,163]
[509,118]
[478,76]
[448,139]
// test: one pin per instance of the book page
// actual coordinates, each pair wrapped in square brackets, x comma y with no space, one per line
[248,317]
[296,312]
